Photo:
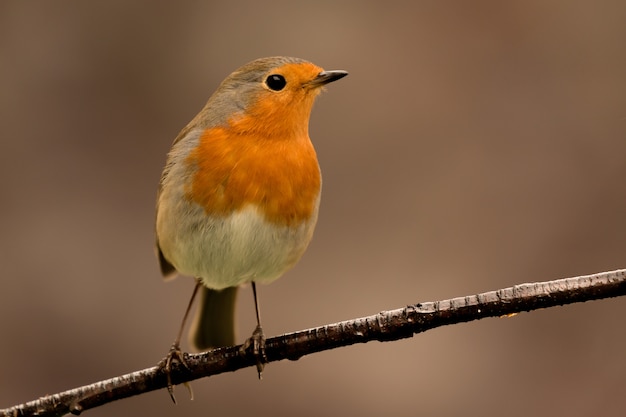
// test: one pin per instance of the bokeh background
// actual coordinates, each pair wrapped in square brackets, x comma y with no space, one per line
[475,145]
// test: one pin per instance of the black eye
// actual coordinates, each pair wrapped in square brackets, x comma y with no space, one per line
[276,82]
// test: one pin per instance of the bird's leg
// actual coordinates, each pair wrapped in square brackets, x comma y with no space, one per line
[176,354]
[257,341]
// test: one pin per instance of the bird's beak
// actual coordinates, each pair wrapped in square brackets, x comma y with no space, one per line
[326,77]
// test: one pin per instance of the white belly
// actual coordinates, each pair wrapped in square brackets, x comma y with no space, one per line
[228,251]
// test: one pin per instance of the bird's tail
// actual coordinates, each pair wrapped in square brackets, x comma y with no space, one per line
[214,324]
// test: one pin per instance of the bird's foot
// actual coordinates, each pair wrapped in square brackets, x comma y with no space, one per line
[255,346]
[174,355]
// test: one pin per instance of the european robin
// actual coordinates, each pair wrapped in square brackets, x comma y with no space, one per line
[239,195]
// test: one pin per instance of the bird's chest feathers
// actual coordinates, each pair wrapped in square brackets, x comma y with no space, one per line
[280,177]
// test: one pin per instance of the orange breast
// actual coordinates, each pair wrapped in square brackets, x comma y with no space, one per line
[231,170]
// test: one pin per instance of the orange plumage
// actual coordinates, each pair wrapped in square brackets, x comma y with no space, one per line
[235,170]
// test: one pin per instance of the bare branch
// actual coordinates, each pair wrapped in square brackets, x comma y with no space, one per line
[385,326]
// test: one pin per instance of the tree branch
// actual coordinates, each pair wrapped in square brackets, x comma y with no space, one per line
[385,326]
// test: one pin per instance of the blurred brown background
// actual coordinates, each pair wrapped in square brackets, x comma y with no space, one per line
[475,145]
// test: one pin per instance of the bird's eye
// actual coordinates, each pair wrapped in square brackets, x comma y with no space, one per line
[276,82]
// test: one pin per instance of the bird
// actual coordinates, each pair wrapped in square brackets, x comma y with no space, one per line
[238,199]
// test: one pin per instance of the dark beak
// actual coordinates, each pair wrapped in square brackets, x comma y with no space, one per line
[326,77]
